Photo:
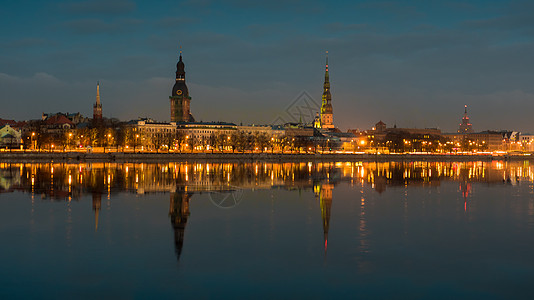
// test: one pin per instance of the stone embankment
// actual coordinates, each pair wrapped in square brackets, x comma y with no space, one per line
[74,157]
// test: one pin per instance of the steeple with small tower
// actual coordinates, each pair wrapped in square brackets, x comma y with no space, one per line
[465,126]
[97,107]
[327,115]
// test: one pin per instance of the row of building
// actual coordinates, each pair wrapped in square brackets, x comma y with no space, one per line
[68,131]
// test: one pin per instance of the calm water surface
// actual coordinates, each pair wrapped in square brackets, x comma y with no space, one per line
[418,230]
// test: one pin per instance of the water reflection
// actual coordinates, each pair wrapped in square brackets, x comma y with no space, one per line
[225,182]
[70,181]
[179,212]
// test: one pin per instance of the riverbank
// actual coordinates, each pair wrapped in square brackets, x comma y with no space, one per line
[74,157]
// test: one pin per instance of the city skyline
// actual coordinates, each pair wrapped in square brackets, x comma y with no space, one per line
[424,69]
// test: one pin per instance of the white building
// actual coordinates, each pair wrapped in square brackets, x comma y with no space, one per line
[10,137]
[153,136]
[527,142]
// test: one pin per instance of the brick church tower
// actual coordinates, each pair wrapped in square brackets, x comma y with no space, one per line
[180,100]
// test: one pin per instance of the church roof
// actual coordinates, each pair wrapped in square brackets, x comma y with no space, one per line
[58,120]
[12,123]
[8,122]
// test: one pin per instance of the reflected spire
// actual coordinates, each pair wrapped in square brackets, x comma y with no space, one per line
[179,213]
[97,203]
[325,201]
[465,188]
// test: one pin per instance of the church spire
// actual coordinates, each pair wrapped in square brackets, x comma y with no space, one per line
[327,117]
[326,60]
[180,68]
[97,107]
[465,126]
[97,93]
[326,76]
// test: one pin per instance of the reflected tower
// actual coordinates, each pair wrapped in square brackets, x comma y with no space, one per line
[465,188]
[97,203]
[324,193]
[179,212]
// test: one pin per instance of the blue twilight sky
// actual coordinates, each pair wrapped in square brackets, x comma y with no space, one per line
[415,63]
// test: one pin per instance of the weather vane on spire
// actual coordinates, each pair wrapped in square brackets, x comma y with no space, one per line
[180,50]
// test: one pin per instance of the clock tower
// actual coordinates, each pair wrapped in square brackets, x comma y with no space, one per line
[180,100]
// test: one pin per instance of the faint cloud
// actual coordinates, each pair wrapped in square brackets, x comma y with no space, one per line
[25,43]
[460,6]
[262,30]
[40,77]
[510,22]
[341,27]
[298,6]
[93,26]
[100,7]
[197,2]
[89,26]
[174,21]
[399,9]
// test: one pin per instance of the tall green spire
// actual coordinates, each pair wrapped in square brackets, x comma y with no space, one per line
[326,106]
[327,116]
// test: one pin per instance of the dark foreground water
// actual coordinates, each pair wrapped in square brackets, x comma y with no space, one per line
[413,230]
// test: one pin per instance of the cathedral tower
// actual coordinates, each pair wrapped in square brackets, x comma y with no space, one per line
[180,100]
[97,107]
[327,115]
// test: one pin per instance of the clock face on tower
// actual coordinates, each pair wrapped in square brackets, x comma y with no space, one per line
[178,92]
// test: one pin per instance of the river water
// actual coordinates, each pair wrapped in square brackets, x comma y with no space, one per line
[416,230]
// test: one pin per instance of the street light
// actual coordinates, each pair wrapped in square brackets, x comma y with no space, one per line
[68,141]
[31,140]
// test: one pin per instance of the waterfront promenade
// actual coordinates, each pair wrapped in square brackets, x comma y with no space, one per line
[19,156]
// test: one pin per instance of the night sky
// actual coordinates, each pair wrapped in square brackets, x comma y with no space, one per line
[413,63]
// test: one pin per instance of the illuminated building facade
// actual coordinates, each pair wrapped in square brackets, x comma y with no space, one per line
[151,135]
[9,136]
[465,126]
